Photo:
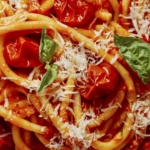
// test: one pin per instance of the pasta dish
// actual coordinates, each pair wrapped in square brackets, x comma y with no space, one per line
[74,74]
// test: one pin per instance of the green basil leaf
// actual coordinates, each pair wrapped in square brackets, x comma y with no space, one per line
[47,47]
[47,50]
[49,76]
[137,54]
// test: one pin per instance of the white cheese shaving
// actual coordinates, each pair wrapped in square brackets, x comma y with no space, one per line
[15,3]
[140,20]
[78,138]
[103,43]
[4,135]
[141,114]
[18,17]
[35,71]
[35,84]
[78,134]
[114,59]
[56,143]
[72,60]
[56,109]
[6,101]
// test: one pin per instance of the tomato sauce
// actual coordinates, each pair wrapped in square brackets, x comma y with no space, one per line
[145,145]
[6,142]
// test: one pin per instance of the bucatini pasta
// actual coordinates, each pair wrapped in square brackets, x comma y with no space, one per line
[74,74]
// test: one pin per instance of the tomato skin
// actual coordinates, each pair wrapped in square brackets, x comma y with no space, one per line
[73,12]
[23,53]
[103,80]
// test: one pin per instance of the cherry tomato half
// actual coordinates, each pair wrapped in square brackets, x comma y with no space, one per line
[103,80]
[23,53]
[73,12]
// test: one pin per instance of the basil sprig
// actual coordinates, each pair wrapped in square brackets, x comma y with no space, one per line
[136,53]
[47,49]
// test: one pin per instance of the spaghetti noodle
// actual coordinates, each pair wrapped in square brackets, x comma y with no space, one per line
[73,74]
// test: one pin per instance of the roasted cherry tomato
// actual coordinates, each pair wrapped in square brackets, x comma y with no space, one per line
[73,12]
[103,80]
[23,53]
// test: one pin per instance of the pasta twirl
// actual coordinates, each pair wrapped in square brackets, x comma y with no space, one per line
[70,77]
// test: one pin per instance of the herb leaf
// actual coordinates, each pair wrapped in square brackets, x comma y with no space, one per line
[48,77]
[47,47]
[137,54]
[47,50]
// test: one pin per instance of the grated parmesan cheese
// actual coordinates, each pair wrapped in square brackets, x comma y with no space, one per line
[35,84]
[6,102]
[141,114]
[4,135]
[114,59]
[15,3]
[77,134]
[140,19]
[19,17]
